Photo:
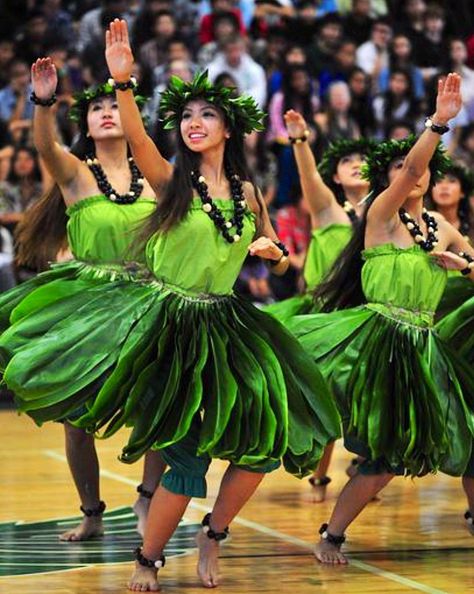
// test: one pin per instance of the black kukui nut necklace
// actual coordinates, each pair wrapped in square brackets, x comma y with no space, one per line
[214,213]
[427,244]
[136,184]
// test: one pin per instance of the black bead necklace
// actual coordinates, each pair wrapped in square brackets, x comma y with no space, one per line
[214,213]
[136,185]
[427,244]
[350,211]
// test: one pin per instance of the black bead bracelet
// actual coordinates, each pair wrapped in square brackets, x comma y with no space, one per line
[43,102]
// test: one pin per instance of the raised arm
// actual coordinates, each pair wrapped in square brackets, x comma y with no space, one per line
[448,104]
[118,53]
[322,203]
[61,165]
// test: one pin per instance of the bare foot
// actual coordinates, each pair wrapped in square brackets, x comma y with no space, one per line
[144,579]
[90,527]
[208,564]
[140,509]
[325,552]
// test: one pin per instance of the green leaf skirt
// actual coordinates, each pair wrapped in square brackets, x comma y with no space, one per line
[146,355]
[401,390]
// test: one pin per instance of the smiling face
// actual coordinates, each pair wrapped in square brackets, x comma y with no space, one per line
[103,119]
[422,184]
[448,191]
[348,172]
[203,126]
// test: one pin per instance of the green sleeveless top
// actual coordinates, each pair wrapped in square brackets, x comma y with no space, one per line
[102,231]
[405,284]
[325,246]
[194,257]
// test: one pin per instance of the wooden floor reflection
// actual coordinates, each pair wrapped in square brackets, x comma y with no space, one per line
[412,540]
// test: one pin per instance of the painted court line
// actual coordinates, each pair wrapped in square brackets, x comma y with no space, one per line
[389,575]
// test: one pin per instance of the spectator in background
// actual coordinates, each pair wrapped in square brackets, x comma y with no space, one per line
[373,56]
[176,51]
[224,26]
[377,7]
[302,27]
[293,225]
[344,62]
[7,53]
[33,38]
[143,23]
[206,28]
[269,14]
[431,50]
[234,59]
[411,20]
[294,56]
[457,59]
[398,102]
[358,22]
[15,106]
[6,150]
[253,281]
[60,27]
[297,93]
[464,152]
[399,129]
[361,101]
[91,25]
[320,53]
[336,121]
[154,52]
[401,57]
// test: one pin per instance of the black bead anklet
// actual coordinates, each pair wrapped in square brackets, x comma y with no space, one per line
[94,512]
[468,518]
[210,533]
[144,493]
[337,541]
[43,102]
[319,482]
[158,564]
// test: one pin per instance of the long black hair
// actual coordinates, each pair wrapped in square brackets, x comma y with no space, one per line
[179,192]
[42,232]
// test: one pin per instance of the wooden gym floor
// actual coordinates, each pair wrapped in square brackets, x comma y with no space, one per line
[412,540]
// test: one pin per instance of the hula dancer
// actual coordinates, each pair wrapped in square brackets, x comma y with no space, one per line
[450,197]
[333,195]
[101,222]
[196,371]
[405,397]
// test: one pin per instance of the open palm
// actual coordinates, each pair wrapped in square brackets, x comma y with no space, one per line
[295,123]
[449,99]
[44,78]
[118,52]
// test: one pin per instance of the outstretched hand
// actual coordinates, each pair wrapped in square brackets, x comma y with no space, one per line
[449,99]
[118,52]
[44,78]
[295,123]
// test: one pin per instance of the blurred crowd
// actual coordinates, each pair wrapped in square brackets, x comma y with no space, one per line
[351,67]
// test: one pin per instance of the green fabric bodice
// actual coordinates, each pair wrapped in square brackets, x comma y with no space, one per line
[325,246]
[402,281]
[194,256]
[100,230]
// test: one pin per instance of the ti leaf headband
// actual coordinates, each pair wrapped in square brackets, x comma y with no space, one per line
[338,150]
[376,166]
[242,111]
[78,110]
